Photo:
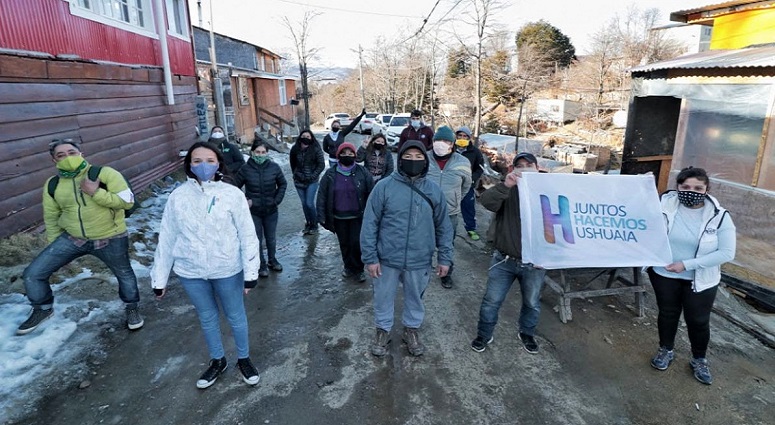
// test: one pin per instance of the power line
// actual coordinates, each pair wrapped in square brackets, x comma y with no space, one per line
[363,12]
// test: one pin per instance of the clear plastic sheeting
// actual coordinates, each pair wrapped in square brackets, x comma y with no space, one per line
[720,127]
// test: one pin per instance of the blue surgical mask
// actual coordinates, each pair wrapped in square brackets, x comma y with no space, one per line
[204,171]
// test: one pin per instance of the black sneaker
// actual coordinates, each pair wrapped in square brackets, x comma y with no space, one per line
[411,338]
[249,373]
[347,273]
[37,317]
[446,282]
[529,342]
[313,230]
[217,366]
[479,344]
[262,272]
[380,345]
[275,265]
[133,319]
[306,229]
[362,277]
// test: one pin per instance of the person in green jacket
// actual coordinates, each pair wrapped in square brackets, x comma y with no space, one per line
[83,217]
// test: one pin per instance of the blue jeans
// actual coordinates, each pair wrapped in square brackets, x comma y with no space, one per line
[499,280]
[228,291]
[307,196]
[385,290]
[62,251]
[468,209]
[266,230]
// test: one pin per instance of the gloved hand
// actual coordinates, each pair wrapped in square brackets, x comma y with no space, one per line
[250,284]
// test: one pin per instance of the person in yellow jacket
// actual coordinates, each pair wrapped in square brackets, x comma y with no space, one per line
[83,217]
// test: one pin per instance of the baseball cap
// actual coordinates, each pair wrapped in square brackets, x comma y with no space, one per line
[527,156]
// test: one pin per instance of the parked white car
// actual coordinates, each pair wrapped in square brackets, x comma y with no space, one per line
[397,124]
[344,119]
[380,123]
[366,124]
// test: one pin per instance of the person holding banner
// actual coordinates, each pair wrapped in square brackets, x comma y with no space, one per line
[702,237]
[506,264]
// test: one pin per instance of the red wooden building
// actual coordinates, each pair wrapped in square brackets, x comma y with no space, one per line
[119,75]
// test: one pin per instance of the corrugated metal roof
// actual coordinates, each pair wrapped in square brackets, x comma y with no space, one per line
[725,7]
[753,57]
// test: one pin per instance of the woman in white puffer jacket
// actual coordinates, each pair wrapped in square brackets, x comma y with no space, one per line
[208,238]
[702,237]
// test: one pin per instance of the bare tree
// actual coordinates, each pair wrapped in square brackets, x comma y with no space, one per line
[300,32]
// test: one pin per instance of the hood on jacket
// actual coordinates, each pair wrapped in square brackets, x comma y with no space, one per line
[465,130]
[416,144]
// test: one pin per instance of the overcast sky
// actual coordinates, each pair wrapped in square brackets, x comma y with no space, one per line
[343,24]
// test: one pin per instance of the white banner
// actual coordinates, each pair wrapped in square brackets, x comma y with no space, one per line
[587,220]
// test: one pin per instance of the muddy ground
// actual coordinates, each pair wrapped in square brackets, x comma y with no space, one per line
[310,330]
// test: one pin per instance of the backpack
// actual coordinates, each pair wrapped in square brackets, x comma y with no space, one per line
[93,174]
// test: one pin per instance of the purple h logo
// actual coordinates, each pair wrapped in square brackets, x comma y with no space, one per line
[563,219]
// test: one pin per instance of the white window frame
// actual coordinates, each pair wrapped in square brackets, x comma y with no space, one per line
[93,10]
[181,11]
[283,92]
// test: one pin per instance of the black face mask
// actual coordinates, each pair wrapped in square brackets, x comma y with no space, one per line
[379,146]
[306,142]
[412,168]
[347,160]
[690,199]
[334,129]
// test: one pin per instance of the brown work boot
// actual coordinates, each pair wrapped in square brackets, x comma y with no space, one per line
[380,345]
[412,340]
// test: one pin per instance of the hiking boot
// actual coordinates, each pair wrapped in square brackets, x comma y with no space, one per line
[37,317]
[263,272]
[275,265]
[133,319]
[346,273]
[529,342]
[380,345]
[362,277]
[662,359]
[473,235]
[217,366]
[412,340]
[446,282]
[479,344]
[701,370]
[249,373]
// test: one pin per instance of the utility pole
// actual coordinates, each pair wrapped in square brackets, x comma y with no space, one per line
[519,117]
[220,113]
[360,67]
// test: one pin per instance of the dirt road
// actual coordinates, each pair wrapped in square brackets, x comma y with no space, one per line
[310,331]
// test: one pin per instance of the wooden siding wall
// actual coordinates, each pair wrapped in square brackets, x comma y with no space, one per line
[118,112]
[269,97]
[244,115]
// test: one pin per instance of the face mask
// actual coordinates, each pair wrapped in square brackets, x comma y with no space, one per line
[441,148]
[461,143]
[690,199]
[204,171]
[260,159]
[334,129]
[306,142]
[217,135]
[71,163]
[347,160]
[379,146]
[411,167]
[415,123]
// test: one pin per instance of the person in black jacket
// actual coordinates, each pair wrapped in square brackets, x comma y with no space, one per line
[336,137]
[376,157]
[341,202]
[232,155]
[306,164]
[468,149]
[264,188]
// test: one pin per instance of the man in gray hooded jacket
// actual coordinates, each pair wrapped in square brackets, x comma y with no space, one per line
[405,221]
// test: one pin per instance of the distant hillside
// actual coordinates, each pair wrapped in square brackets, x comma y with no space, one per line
[324,75]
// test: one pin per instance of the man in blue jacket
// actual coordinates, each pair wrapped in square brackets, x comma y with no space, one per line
[404,223]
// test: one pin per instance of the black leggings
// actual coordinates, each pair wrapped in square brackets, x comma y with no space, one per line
[674,295]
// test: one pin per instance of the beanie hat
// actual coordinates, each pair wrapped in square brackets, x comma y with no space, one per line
[343,146]
[444,133]
[465,130]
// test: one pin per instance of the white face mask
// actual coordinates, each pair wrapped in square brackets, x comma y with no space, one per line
[217,135]
[441,148]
